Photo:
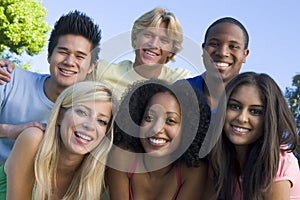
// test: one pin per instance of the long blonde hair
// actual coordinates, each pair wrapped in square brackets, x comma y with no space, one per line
[88,182]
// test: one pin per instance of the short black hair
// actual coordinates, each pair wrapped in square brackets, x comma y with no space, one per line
[232,21]
[76,23]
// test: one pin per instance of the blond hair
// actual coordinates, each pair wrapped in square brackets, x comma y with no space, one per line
[154,18]
[88,182]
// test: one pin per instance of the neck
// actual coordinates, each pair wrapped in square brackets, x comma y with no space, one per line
[51,89]
[69,164]
[148,71]
[241,154]
[156,165]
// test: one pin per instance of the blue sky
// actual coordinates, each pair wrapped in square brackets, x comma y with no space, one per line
[273,26]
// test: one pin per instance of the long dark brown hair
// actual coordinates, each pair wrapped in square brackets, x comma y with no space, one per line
[261,164]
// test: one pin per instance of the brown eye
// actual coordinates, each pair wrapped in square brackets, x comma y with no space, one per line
[234,106]
[148,118]
[256,111]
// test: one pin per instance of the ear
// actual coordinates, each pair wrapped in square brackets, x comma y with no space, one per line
[246,53]
[92,67]
[171,55]
[134,42]
[48,59]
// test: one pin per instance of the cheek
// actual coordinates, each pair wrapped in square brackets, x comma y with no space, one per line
[176,132]
[139,41]
[143,130]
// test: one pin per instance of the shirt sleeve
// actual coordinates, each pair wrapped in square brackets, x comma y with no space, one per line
[288,168]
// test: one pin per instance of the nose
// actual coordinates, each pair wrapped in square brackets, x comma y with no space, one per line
[155,42]
[243,116]
[69,60]
[89,126]
[158,126]
[222,51]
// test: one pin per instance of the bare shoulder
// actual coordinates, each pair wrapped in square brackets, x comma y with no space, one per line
[31,135]
[24,149]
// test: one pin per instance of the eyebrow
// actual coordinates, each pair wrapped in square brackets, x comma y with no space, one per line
[174,113]
[254,105]
[230,41]
[99,115]
[66,49]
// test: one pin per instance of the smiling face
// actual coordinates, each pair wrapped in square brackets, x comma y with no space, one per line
[152,46]
[244,116]
[161,125]
[84,125]
[225,44]
[70,60]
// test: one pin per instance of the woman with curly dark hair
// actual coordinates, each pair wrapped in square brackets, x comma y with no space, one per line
[159,131]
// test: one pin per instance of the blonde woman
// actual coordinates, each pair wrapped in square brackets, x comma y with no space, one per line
[68,160]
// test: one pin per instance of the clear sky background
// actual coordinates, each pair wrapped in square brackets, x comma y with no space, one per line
[273,26]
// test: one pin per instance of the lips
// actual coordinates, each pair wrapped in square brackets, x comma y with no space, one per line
[67,72]
[150,53]
[157,141]
[83,137]
[240,130]
[222,65]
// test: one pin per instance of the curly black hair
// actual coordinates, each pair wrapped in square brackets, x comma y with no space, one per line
[195,118]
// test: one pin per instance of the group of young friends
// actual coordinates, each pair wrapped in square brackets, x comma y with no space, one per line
[135,130]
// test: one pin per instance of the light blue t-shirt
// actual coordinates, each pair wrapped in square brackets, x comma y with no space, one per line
[22,100]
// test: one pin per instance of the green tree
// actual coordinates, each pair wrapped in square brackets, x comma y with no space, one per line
[293,97]
[23,28]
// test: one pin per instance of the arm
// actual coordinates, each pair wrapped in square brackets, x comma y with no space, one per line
[280,190]
[118,184]
[19,166]
[12,131]
[4,75]
[193,182]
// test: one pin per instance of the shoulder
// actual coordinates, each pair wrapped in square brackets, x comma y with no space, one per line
[106,68]
[29,140]
[198,78]
[31,135]
[25,147]
[183,71]
[21,78]
[20,72]
[174,74]
[288,168]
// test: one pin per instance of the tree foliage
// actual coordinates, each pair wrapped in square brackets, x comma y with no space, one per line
[293,97]
[23,28]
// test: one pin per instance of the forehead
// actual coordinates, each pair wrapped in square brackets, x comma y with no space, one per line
[166,101]
[226,30]
[247,93]
[97,106]
[160,30]
[74,43]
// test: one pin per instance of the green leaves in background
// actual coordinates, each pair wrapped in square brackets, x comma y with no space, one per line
[23,28]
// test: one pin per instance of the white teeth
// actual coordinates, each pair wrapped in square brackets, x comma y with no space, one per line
[239,129]
[150,53]
[67,72]
[221,64]
[157,141]
[85,137]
